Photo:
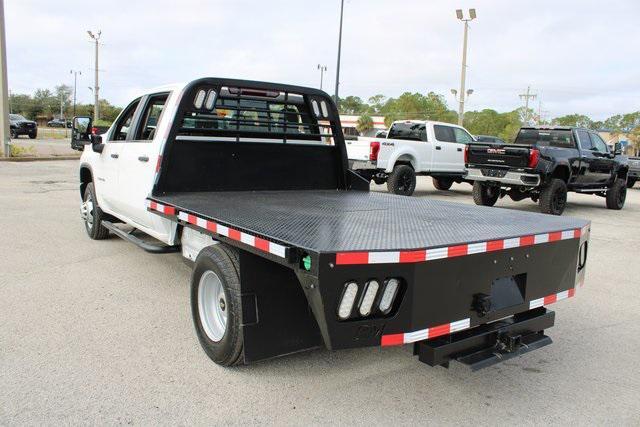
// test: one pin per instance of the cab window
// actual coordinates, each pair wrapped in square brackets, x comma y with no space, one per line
[151,117]
[598,144]
[444,133]
[585,141]
[462,136]
[123,124]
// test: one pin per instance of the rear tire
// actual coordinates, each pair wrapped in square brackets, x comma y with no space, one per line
[215,295]
[485,195]
[442,184]
[13,134]
[93,215]
[631,182]
[402,180]
[617,195]
[553,198]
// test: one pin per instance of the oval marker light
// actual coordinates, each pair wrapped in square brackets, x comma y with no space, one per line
[348,298]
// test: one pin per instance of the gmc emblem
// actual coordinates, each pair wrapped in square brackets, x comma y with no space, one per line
[496,151]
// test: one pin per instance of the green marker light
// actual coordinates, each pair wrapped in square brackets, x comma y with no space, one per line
[306,262]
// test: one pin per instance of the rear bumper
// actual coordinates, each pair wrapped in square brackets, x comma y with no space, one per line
[491,343]
[362,165]
[510,178]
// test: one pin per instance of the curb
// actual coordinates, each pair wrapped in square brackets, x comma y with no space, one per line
[37,159]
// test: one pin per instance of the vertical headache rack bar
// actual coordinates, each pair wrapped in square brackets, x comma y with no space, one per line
[239,111]
[284,115]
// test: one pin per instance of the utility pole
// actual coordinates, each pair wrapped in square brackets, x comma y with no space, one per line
[96,87]
[75,84]
[527,96]
[322,69]
[4,87]
[336,98]
[463,74]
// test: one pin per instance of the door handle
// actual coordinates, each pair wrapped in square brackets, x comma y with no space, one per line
[143,158]
[459,149]
[438,147]
[114,156]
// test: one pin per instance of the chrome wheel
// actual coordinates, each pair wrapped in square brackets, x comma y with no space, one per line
[212,306]
[86,212]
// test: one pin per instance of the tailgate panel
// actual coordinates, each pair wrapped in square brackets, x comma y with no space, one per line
[499,155]
[441,296]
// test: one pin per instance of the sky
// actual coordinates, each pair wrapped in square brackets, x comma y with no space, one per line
[577,56]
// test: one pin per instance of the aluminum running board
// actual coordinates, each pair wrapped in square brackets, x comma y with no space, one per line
[159,248]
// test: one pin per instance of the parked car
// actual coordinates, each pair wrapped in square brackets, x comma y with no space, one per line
[412,147]
[291,251]
[59,123]
[544,164]
[489,138]
[634,171]
[18,125]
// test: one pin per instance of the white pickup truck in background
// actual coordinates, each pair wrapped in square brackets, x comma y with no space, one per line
[412,147]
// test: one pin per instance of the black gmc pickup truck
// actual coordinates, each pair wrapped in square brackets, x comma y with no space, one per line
[544,164]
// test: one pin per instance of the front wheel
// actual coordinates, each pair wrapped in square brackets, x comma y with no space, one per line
[402,180]
[553,198]
[216,306]
[485,195]
[617,195]
[442,184]
[13,134]
[93,215]
[33,135]
[631,182]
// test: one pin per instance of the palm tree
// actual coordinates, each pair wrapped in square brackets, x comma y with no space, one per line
[365,123]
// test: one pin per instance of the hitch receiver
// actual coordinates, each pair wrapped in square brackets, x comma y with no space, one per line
[491,343]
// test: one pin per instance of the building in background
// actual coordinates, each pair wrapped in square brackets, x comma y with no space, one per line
[349,124]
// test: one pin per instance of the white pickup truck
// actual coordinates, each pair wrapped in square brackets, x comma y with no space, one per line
[412,147]
[290,249]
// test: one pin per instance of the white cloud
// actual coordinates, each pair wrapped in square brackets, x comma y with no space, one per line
[580,56]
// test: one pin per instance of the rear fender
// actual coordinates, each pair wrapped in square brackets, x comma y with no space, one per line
[407,156]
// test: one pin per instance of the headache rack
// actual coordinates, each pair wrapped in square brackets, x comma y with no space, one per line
[233,110]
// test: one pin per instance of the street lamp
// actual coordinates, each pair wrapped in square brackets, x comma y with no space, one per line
[75,82]
[460,16]
[322,69]
[339,51]
[96,91]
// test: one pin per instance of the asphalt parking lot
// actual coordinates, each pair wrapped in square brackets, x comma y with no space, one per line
[100,333]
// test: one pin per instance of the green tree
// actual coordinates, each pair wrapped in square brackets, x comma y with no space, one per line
[352,105]
[376,102]
[579,120]
[365,123]
[415,106]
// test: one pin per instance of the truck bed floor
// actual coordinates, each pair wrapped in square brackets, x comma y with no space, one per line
[337,221]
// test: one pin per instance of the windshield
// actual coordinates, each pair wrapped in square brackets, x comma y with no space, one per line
[545,137]
[16,117]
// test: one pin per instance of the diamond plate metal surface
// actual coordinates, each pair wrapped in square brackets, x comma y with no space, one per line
[335,221]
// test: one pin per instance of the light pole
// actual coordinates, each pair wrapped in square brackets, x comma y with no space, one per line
[96,87]
[322,69]
[4,88]
[339,51]
[472,16]
[75,84]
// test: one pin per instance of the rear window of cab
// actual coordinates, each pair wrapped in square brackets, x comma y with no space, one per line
[561,138]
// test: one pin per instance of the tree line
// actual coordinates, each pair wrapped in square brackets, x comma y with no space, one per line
[504,125]
[49,104]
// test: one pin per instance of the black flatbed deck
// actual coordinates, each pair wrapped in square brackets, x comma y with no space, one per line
[327,221]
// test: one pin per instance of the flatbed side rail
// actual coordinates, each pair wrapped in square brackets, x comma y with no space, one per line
[225,233]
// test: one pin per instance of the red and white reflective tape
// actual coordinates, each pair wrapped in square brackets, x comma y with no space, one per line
[450,328]
[421,255]
[425,334]
[232,233]
[550,299]
[158,207]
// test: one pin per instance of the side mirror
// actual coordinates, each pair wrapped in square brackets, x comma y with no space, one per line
[80,132]
[617,149]
[96,143]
